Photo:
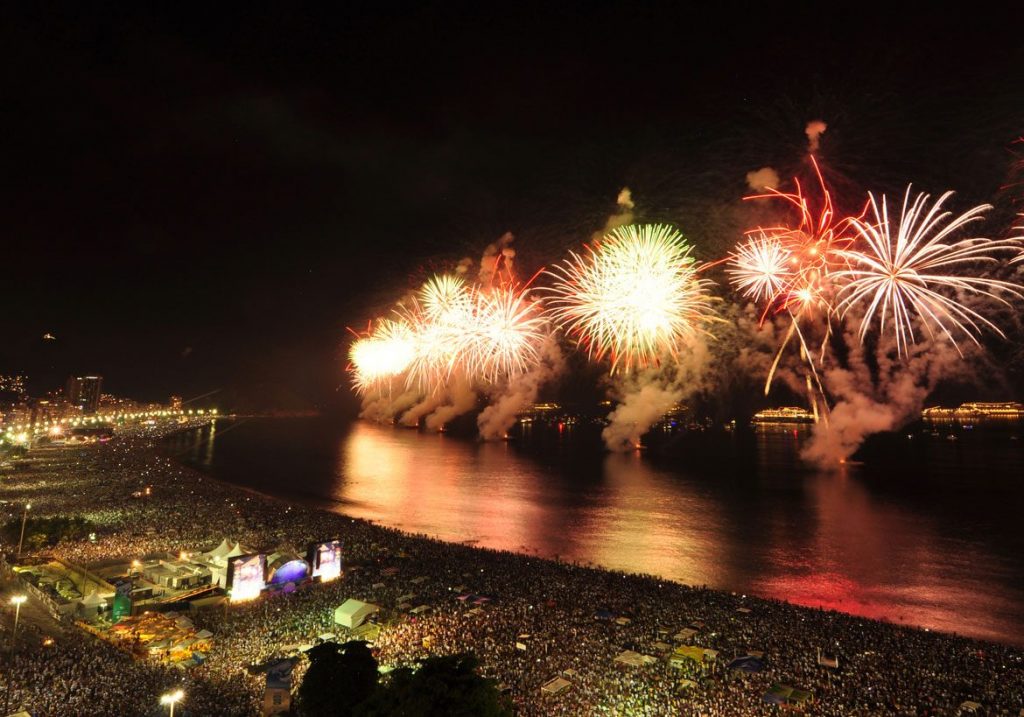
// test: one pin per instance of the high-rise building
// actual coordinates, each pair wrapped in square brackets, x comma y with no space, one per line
[83,392]
[175,403]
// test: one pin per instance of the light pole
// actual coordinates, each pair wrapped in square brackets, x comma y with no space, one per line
[24,519]
[171,698]
[17,600]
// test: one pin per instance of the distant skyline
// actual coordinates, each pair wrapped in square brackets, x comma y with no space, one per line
[199,202]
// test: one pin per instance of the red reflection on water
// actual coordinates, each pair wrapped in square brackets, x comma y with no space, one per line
[821,541]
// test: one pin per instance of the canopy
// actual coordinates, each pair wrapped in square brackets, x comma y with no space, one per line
[93,600]
[353,613]
[555,686]
[221,550]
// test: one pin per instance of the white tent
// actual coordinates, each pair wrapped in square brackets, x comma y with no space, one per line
[92,604]
[221,550]
[353,613]
[555,686]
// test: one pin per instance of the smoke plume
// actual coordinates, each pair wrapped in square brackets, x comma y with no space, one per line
[495,420]
[814,130]
[383,408]
[870,399]
[460,398]
[761,179]
[647,395]
[498,256]
[623,214]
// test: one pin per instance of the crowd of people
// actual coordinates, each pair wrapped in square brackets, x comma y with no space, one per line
[541,619]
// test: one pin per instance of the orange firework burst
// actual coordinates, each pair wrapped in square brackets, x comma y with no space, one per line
[792,267]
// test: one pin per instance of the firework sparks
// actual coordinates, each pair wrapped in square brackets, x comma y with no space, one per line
[506,334]
[383,355]
[907,271]
[635,297]
[761,267]
[791,268]
[451,329]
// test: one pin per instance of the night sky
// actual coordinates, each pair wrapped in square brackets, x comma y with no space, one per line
[199,201]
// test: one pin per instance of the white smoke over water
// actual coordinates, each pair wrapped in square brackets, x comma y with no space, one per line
[461,399]
[520,392]
[867,401]
[427,405]
[645,396]
[384,408]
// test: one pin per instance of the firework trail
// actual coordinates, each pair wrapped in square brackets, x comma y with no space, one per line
[907,271]
[1019,238]
[636,297]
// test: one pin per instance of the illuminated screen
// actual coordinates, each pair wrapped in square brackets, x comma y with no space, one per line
[291,572]
[246,576]
[327,560]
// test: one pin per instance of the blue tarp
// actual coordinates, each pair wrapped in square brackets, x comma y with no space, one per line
[747,664]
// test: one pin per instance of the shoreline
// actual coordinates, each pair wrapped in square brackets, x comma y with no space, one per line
[556,603]
[323,504]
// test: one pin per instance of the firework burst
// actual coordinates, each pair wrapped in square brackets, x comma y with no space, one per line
[507,331]
[792,267]
[382,355]
[761,267]
[635,297]
[908,271]
[448,331]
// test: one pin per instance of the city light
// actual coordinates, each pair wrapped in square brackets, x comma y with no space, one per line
[172,698]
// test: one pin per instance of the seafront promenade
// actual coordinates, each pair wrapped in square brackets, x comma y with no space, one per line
[620,644]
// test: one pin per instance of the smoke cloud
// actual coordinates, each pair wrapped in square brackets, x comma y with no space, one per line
[639,409]
[871,399]
[762,179]
[384,408]
[814,130]
[461,399]
[623,214]
[495,420]
[496,255]
[647,395]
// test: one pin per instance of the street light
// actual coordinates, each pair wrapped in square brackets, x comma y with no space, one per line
[17,600]
[171,698]
[24,518]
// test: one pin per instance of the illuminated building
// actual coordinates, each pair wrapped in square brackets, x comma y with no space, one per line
[83,393]
[175,403]
[784,414]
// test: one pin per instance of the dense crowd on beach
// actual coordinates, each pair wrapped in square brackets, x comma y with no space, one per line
[527,620]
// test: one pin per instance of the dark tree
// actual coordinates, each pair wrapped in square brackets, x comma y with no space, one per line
[440,687]
[339,678]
